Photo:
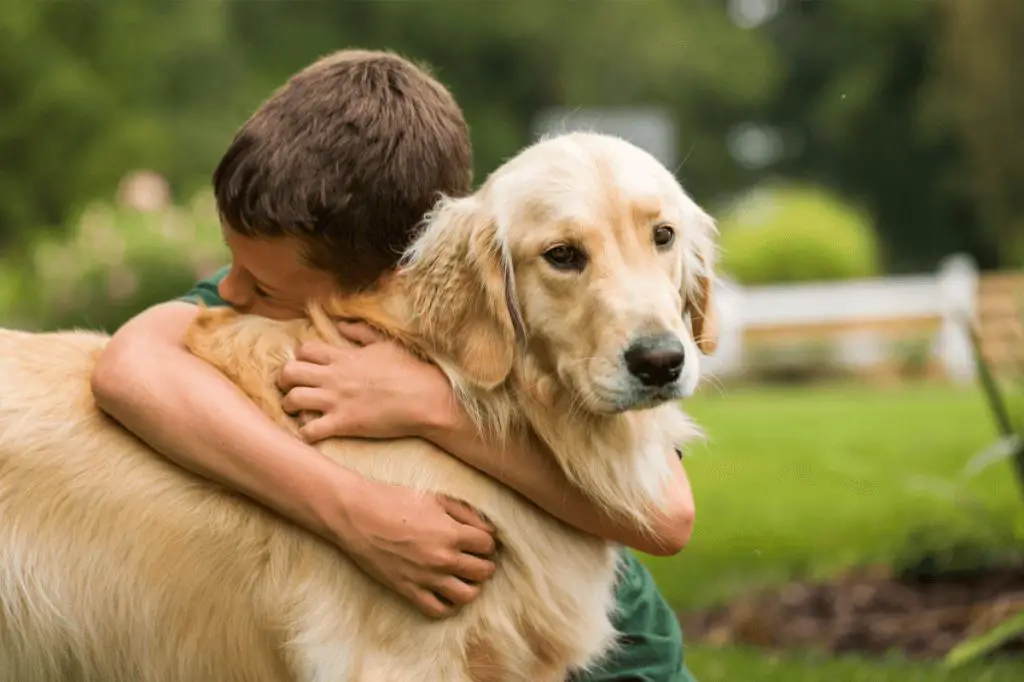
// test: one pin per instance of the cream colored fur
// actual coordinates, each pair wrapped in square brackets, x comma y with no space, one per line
[116,566]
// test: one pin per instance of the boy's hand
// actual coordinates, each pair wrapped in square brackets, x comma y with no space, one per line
[375,389]
[428,548]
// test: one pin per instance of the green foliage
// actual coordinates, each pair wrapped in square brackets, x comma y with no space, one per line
[978,54]
[790,233]
[98,92]
[974,648]
[1006,403]
[858,105]
[977,540]
[830,477]
[804,482]
[11,281]
[867,94]
[94,91]
[737,664]
[115,262]
[912,356]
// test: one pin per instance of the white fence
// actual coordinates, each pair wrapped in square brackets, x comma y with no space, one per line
[856,311]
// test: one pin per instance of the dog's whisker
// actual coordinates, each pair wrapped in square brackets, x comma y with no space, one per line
[715,382]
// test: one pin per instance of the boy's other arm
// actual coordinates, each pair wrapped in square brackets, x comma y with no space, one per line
[526,466]
[189,412]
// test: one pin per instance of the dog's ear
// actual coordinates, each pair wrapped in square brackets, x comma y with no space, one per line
[463,291]
[700,303]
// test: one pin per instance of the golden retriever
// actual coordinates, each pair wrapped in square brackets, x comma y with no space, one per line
[555,298]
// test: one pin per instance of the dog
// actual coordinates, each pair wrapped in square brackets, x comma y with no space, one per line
[568,296]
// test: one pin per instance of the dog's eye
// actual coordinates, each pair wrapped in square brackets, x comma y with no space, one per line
[664,236]
[565,257]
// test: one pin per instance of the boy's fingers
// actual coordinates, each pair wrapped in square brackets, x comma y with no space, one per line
[318,429]
[299,373]
[476,542]
[429,603]
[456,591]
[465,514]
[316,352]
[358,333]
[473,568]
[303,398]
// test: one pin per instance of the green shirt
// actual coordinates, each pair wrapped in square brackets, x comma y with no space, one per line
[652,641]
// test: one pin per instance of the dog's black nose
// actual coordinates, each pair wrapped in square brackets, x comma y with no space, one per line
[656,360]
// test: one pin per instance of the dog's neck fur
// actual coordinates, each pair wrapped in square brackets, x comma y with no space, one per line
[620,461]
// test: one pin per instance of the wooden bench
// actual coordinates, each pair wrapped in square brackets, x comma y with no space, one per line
[1000,321]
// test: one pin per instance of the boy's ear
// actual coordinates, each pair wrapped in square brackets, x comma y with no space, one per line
[463,293]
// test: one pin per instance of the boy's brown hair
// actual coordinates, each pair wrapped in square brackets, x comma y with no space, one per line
[347,156]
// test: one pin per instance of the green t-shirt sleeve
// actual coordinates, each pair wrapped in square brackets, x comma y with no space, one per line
[650,640]
[207,291]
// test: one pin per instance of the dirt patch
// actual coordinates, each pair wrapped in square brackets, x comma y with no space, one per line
[868,611]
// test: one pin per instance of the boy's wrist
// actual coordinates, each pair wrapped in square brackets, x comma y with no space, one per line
[435,412]
[334,509]
[445,423]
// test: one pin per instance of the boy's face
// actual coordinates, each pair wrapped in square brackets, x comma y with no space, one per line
[269,277]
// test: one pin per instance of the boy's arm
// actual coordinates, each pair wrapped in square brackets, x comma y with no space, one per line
[528,468]
[188,411]
[378,390]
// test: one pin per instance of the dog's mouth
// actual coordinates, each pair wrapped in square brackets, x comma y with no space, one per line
[602,400]
[609,388]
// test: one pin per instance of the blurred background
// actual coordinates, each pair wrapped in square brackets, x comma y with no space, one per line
[861,497]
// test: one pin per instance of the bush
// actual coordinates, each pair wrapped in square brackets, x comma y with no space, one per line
[114,262]
[793,362]
[791,233]
[10,293]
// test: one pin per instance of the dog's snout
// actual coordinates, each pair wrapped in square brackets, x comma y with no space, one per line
[656,360]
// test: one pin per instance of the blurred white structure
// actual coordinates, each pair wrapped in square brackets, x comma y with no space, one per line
[860,318]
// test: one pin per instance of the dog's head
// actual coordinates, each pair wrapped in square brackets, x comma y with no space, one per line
[585,250]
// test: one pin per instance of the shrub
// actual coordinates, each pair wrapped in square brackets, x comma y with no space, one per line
[116,261]
[792,233]
[10,292]
[793,362]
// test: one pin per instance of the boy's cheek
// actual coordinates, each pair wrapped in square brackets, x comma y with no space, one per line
[275,312]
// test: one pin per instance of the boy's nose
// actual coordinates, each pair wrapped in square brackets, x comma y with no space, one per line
[235,290]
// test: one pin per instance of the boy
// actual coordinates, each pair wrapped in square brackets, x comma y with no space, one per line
[320,191]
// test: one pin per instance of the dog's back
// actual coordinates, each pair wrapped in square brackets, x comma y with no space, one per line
[116,565]
[100,535]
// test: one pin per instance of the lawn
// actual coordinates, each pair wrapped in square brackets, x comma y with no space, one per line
[807,481]
[739,665]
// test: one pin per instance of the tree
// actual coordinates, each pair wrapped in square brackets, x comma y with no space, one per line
[851,113]
[93,90]
[978,94]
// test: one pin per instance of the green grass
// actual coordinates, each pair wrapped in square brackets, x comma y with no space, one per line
[808,481]
[742,665]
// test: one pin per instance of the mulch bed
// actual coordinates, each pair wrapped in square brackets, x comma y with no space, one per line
[869,611]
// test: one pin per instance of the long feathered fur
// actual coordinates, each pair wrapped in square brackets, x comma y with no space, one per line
[117,566]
